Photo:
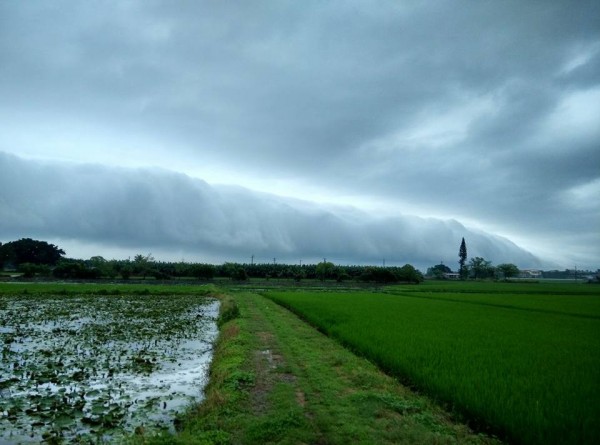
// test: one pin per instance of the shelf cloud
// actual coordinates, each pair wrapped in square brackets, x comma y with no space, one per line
[145,209]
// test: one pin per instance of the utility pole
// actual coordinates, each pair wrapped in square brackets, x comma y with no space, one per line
[274,260]
[252,260]
[384,262]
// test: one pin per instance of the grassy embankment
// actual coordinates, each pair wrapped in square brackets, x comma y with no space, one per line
[522,358]
[275,379]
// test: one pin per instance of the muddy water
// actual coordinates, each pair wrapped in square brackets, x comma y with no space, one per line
[95,368]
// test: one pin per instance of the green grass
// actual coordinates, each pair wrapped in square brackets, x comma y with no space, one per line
[523,358]
[68,288]
[504,287]
[276,380]
[574,299]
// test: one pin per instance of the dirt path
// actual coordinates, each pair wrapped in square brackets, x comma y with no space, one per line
[308,389]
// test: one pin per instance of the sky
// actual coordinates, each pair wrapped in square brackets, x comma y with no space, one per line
[353,131]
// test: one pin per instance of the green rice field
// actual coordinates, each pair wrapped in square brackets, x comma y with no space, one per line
[522,359]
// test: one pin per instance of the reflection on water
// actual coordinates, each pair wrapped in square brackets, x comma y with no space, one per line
[101,366]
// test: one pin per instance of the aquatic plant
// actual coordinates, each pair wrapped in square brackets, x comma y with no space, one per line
[98,366]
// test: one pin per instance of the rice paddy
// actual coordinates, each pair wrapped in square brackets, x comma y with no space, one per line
[523,360]
[94,367]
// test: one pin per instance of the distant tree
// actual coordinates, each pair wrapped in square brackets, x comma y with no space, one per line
[67,269]
[481,268]
[161,274]
[75,269]
[508,270]
[27,250]
[387,275]
[409,274]
[462,259]
[379,275]
[29,270]
[227,269]
[438,270]
[239,274]
[325,270]
[126,271]
[340,274]
[234,271]
[105,268]
[299,274]
[204,271]
[142,265]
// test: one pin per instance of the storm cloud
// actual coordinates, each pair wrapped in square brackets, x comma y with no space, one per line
[486,113]
[158,209]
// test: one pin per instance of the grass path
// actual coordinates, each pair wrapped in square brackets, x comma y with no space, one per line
[275,379]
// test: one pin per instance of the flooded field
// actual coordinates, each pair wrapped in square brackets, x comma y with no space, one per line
[88,368]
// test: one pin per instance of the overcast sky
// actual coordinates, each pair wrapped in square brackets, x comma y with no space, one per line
[356,131]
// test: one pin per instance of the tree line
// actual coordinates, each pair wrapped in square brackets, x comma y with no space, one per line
[39,258]
[477,268]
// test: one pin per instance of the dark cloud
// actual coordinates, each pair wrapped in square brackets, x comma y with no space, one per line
[156,209]
[482,112]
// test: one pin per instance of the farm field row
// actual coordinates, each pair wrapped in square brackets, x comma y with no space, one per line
[524,360]
[573,299]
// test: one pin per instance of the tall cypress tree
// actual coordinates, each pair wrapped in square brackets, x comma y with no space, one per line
[462,258]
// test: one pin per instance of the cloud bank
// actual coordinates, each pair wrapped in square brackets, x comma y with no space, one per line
[161,211]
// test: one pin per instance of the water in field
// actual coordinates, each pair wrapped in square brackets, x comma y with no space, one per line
[91,368]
